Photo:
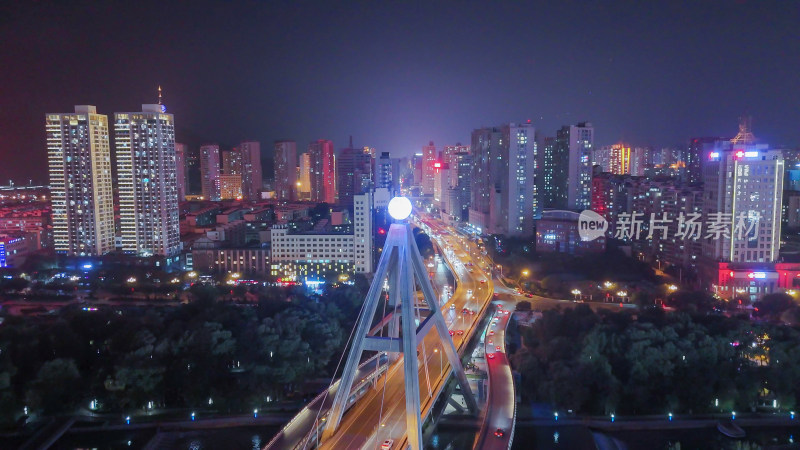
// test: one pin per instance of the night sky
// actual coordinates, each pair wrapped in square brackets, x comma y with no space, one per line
[398,75]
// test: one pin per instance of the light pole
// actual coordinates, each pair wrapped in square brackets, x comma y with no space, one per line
[524,273]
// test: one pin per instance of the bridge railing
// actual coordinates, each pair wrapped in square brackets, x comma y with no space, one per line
[356,393]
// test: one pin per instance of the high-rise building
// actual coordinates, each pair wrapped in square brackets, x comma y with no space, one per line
[504,191]
[567,168]
[614,159]
[322,175]
[147,181]
[230,187]
[641,159]
[79,160]
[384,172]
[743,188]
[429,157]
[232,162]
[460,195]
[353,173]
[697,154]
[194,179]
[449,157]
[286,170]
[209,171]
[416,166]
[553,169]
[304,177]
[181,170]
[441,178]
[362,232]
[252,178]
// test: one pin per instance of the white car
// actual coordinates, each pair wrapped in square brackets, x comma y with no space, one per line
[387,444]
[469,292]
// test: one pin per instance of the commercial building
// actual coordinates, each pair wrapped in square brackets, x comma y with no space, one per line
[252,178]
[322,176]
[384,172]
[743,181]
[353,172]
[14,249]
[696,155]
[286,170]
[209,257]
[209,171]
[429,157]
[79,161]
[325,250]
[147,182]
[503,189]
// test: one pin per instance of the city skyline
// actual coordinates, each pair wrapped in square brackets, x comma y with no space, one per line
[654,93]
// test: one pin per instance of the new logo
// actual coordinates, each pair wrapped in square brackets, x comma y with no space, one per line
[591,225]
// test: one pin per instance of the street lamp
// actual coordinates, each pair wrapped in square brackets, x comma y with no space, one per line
[524,273]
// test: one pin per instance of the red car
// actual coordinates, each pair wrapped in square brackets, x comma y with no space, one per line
[460,332]
[452,332]
[497,347]
[491,332]
[499,432]
[490,355]
[496,295]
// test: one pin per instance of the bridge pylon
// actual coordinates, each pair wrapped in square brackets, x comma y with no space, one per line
[402,265]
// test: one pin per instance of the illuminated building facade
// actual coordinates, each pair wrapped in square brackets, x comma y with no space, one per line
[449,157]
[576,142]
[209,171]
[503,188]
[147,182]
[304,177]
[79,160]
[230,187]
[322,171]
[614,159]
[303,255]
[286,170]
[744,178]
[209,259]
[429,158]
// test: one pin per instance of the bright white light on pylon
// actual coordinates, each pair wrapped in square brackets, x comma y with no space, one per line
[399,208]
